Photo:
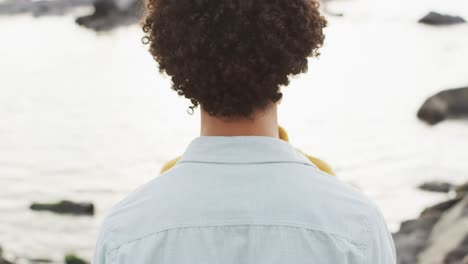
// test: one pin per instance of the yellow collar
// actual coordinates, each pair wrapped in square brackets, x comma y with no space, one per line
[284,152]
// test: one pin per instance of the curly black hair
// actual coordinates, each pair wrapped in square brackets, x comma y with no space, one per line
[231,56]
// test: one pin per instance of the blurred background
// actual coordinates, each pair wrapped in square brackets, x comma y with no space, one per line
[86,117]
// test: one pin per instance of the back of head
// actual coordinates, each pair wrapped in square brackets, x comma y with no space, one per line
[232,56]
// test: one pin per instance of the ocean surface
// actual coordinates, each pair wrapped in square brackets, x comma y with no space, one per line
[87,117]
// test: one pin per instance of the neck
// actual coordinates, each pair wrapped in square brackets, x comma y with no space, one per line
[264,123]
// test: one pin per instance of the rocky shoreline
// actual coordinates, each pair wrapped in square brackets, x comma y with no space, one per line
[68,259]
[42,7]
[61,207]
[111,14]
[106,15]
[438,235]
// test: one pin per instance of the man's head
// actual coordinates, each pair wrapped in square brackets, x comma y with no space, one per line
[231,56]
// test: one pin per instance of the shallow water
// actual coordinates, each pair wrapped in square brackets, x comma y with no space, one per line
[85,116]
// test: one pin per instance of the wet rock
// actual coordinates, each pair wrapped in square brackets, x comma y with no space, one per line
[65,207]
[459,254]
[2,260]
[434,18]
[414,235]
[440,207]
[462,190]
[109,14]
[41,7]
[436,186]
[448,240]
[452,103]
[72,259]
[40,260]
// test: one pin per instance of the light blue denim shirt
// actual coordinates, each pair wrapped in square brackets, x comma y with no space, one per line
[244,199]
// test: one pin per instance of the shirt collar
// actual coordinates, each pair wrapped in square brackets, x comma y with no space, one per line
[242,149]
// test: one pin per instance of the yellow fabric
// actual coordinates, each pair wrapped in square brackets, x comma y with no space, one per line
[283,134]
[169,164]
[322,165]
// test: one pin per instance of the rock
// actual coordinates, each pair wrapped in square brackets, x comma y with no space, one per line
[459,254]
[109,14]
[65,207]
[451,103]
[462,190]
[41,7]
[72,259]
[436,186]
[40,260]
[2,260]
[409,246]
[448,242]
[414,235]
[440,207]
[438,235]
[434,18]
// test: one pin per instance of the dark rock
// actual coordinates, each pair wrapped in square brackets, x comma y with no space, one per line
[65,207]
[459,254]
[447,240]
[425,222]
[108,15]
[40,260]
[451,103]
[2,260]
[436,186]
[413,236]
[440,207]
[72,259]
[462,190]
[41,7]
[434,18]
[408,246]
